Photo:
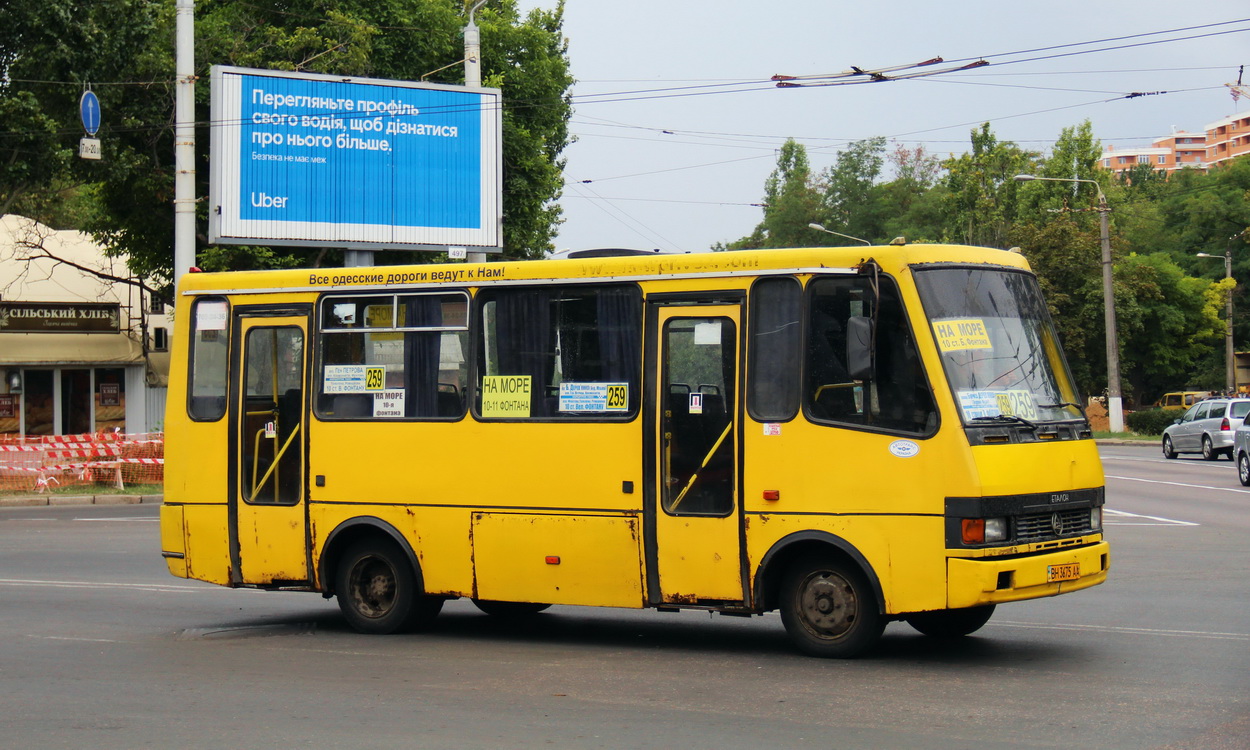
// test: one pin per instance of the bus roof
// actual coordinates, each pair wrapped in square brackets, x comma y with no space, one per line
[620,268]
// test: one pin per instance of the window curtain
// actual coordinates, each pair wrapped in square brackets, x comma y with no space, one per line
[524,340]
[620,339]
[422,357]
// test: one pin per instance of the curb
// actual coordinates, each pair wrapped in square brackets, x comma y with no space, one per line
[35,501]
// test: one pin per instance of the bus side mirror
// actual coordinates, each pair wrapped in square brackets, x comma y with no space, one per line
[859,348]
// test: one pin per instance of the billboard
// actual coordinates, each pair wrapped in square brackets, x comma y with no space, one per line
[359,163]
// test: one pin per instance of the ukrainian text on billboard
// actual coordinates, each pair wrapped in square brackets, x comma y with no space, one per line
[324,159]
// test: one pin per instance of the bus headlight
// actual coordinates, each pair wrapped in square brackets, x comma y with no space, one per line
[995,529]
[983,530]
[1095,519]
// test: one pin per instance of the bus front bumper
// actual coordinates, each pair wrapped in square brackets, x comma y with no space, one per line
[975,581]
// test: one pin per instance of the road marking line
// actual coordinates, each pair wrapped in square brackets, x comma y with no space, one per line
[1162,521]
[94,585]
[124,520]
[1131,631]
[1183,484]
[1193,463]
[62,638]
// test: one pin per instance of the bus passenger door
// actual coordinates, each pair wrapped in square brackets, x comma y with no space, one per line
[694,553]
[268,535]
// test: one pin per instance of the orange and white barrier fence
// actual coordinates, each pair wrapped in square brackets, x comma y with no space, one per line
[39,463]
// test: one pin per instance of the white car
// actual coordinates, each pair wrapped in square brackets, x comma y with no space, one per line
[1206,428]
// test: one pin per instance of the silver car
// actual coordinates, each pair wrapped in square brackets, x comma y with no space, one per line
[1241,453]
[1206,428]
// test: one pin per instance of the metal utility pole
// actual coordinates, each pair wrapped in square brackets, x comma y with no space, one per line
[184,140]
[1115,403]
[473,77]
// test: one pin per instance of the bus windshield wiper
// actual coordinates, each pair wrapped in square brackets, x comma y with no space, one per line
[1061,403]
[1007,418]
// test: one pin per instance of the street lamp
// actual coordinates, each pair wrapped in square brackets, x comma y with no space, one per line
[1115,404]
[820,228]
[1230,360]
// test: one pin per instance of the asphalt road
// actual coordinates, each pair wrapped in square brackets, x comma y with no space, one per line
[101,648]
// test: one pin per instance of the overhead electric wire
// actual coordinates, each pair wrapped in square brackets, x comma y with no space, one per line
[1107,39]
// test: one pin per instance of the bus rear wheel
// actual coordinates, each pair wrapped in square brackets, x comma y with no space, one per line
[828,608]
[509,609]
[377,590]
[951,623]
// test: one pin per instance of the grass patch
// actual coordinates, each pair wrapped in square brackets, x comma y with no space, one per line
[1133,436]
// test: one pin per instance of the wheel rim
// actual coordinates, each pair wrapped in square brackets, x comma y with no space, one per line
[1243,469]
[827,605]
[1206,448]
[372,587]
[1167,446]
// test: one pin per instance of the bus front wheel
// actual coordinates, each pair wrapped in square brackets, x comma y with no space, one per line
[828,608]
[951,623]
[377,590]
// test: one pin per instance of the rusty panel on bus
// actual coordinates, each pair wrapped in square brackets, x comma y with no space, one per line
[558,559]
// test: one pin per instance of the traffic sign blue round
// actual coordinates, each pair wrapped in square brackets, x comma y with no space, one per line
[89,110]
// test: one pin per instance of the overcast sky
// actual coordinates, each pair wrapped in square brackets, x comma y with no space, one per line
[678,126]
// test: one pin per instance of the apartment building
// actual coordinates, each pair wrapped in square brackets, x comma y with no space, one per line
[1180,150]
[1228,138]
[1221,141]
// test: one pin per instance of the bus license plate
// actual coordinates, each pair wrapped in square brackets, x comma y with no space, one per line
[1068,572]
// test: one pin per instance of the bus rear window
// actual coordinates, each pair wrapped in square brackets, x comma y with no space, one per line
[206,392]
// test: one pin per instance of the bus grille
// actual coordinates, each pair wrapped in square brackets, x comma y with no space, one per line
[1043,526]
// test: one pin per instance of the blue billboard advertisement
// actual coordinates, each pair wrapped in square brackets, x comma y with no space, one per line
[319,160]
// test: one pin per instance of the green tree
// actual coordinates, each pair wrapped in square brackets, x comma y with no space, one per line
[982,199]
[50,51]
[55,40]
[791,202]
[1073,157]
[910,205]
[850,201]
[1169,325]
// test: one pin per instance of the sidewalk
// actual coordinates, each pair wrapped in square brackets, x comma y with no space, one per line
[34,501]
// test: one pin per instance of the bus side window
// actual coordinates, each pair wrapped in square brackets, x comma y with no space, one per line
[569,347]
[897,397]
[414,344]
[775,349]
[206,392]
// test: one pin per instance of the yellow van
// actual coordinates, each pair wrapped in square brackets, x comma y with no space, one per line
[1181,399]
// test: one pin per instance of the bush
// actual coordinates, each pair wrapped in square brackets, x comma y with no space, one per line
[1152,421]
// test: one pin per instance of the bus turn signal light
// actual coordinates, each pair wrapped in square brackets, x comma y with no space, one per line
[553,559]
[772,494]
[982,530]
[974,530]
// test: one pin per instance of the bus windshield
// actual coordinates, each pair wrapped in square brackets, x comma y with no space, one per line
[998,345]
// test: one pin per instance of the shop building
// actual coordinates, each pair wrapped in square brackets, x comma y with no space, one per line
[81,347]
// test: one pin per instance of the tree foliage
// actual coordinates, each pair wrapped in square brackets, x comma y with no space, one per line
[1169,303]
[115,42]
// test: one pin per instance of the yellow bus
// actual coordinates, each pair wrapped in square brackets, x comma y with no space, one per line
[850,436]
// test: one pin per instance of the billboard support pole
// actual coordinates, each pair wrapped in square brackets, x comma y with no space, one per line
[473,78]
[354,258]
[184,140]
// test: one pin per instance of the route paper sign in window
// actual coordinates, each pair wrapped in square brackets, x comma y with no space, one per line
[961,335]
